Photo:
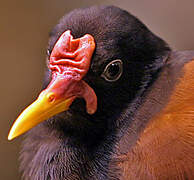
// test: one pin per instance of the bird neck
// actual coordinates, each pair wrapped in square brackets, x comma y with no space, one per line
[49,155]
[166,141]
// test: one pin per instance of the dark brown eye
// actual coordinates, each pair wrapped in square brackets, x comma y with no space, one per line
[113,70]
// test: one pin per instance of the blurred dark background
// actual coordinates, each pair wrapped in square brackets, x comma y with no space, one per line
[24,28]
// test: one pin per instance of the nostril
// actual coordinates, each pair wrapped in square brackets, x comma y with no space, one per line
[51,98]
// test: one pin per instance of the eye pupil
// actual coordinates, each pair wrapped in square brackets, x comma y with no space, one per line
[113,69]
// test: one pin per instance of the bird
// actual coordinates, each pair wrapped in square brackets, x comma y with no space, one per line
[117,103]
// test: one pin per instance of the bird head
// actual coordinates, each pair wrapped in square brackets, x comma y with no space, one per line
[99,54]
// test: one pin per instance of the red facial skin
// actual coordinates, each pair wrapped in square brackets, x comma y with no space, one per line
[69,62]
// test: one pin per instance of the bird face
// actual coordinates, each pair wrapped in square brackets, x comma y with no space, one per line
[113,57]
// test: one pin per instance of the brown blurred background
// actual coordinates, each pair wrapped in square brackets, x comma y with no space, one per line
[24,28]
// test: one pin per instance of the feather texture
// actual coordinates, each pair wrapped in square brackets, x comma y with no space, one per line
[165,149]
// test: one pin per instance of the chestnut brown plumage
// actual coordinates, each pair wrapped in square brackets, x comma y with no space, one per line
[143,128]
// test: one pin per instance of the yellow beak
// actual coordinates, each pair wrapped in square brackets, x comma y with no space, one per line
[43,108]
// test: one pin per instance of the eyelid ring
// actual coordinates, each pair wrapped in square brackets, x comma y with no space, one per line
[121,70]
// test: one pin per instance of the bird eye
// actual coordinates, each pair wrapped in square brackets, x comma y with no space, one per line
[113,70]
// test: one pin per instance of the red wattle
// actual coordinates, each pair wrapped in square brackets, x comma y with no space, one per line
[69,61]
